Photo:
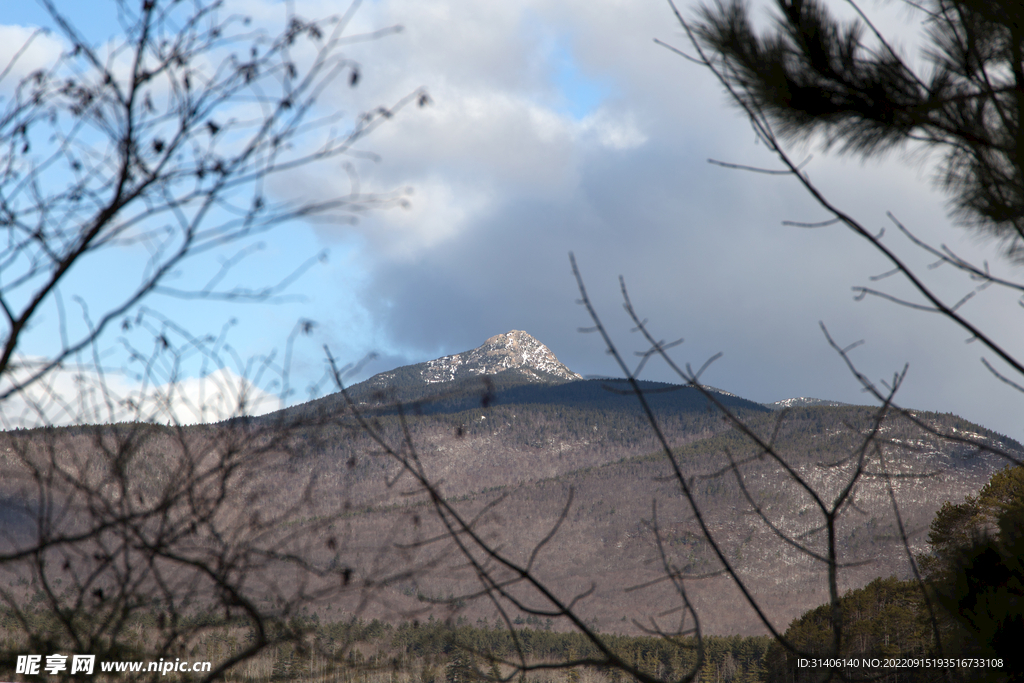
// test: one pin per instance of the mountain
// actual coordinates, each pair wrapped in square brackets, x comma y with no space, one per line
[508,369]
[516,468]
[512,352]
[519,443]
[504,360]
[508,429]
[514,356]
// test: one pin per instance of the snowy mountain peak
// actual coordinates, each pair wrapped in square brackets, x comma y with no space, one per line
[515,350]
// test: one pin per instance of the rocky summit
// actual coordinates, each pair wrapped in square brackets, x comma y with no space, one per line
[515,350]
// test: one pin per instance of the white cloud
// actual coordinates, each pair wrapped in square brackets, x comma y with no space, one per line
[38,50]
[83,395]
[436,212]
[505,183]
[612,132]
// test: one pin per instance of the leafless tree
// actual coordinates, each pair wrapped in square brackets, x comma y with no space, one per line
[134,158]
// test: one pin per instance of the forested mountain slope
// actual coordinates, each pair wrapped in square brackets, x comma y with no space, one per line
[518,450]
[529,461]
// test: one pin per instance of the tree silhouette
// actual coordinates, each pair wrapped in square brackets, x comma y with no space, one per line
[977,569]
[151,150]
[813,74]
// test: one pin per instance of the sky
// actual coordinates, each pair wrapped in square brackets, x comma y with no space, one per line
[560,126]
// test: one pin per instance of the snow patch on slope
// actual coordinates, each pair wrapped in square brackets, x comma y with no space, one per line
[515,350]
[802,401]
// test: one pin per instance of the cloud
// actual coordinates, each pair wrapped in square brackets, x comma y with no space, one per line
[514,183]
[24,50]
[85,395]
[614,133]
[559,126]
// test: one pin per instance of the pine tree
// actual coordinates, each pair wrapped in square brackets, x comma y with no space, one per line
[460,669]
[812,73]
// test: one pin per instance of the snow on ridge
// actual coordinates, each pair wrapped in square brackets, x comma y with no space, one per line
[515,350]
[802,401]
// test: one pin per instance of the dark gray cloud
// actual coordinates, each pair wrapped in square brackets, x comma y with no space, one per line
[507,181]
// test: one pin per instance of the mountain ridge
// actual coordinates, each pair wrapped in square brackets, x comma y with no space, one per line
[524,453]
[517,357]
[507,369]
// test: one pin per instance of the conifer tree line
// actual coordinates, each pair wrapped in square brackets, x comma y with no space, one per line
[435,651]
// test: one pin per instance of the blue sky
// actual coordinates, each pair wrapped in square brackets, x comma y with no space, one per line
[560,126]
[581,95]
